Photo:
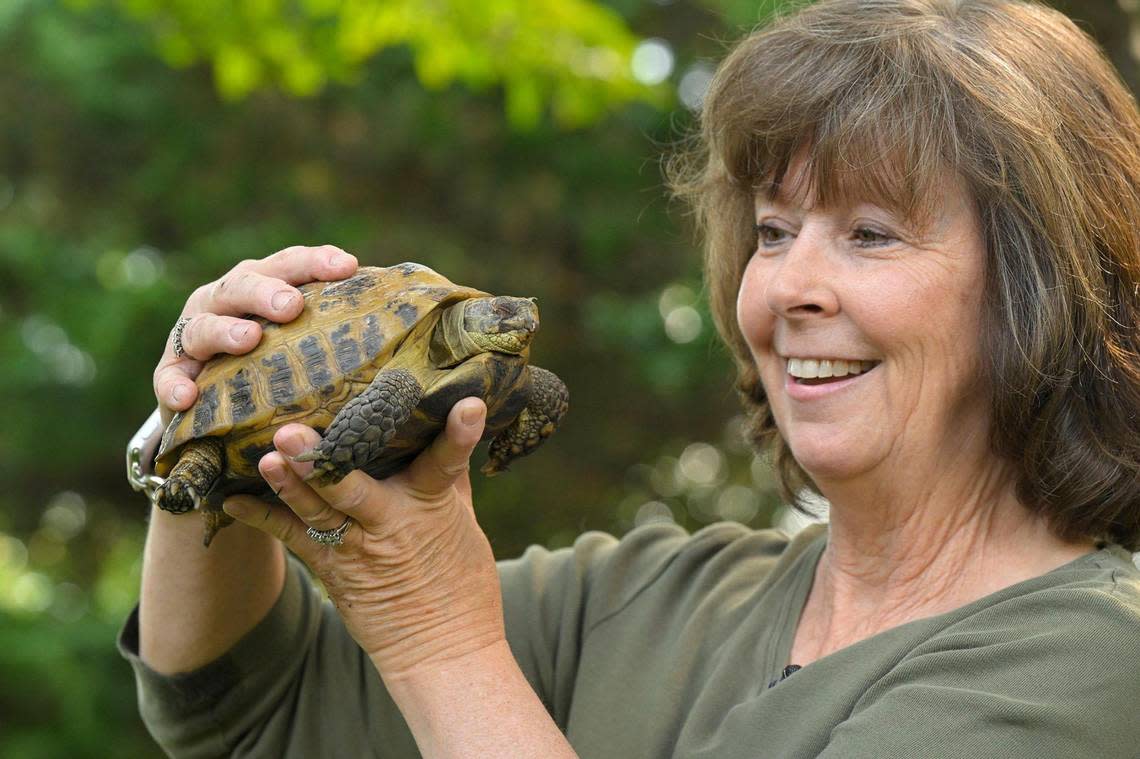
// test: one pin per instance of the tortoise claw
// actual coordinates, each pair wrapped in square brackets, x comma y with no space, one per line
[178,497]
[326,473]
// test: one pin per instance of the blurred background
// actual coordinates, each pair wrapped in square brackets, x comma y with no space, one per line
[146,146]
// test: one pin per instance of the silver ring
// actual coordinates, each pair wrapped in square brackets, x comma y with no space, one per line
[330,537]
[176,336]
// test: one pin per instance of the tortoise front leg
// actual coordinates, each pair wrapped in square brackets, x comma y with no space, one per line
[363,427]
[548,401]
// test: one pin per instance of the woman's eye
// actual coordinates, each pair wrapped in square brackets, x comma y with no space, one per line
[869,238]
[766,234]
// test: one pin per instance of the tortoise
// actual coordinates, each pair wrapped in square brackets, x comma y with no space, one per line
[374,363]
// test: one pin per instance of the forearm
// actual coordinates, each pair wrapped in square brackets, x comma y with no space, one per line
[196,603]
[476,705]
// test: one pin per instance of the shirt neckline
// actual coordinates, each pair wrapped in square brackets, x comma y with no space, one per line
[801,576]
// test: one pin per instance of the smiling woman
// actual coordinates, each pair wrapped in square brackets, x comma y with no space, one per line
[980,157]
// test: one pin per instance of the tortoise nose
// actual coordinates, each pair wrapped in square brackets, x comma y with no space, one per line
[530,316]
[523,313]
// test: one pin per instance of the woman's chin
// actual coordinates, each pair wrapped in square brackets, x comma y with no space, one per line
[829,459]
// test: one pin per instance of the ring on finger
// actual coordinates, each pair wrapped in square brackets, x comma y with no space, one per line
[176,336]
[332,537]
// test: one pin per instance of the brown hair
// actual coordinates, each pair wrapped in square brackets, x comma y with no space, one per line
[882,97]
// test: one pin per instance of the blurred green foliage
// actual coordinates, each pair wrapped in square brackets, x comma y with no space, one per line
[570,55]
[148,145]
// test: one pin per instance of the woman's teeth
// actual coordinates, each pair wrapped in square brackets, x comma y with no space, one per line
[809,368]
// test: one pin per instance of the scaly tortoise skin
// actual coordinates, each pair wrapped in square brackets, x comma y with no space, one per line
[374,363]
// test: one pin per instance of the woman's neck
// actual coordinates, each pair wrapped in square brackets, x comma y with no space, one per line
[885,566]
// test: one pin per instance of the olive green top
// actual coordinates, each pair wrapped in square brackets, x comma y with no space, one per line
[664,644]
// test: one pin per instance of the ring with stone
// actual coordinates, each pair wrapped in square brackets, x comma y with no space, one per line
[176,336]
[330,537]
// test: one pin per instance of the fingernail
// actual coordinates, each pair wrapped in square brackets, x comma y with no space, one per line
[236,509]
[282,299]
[339,258]
[239,331]
[470,416]
[177,393]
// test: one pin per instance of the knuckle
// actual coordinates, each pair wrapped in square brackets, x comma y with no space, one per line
[291,251]
[285,531]
[192,341]
[233,280]
[158,381]
[327,518]
[219,286]
[355,497]
[200,296]
[452,469]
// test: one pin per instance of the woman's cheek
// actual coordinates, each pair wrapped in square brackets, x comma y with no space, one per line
[751,311]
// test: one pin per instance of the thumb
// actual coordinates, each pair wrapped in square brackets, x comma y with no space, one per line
[448,458]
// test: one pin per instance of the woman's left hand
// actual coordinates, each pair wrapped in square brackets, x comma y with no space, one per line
[414,578]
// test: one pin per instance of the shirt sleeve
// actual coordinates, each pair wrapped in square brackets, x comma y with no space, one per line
[297,685]
[1033,680]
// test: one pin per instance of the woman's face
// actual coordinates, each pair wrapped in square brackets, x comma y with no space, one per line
[856,291]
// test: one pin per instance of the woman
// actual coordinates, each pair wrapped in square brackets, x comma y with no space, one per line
[923,251]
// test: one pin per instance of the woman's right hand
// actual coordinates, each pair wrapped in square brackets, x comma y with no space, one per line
[196,603]
[263,287]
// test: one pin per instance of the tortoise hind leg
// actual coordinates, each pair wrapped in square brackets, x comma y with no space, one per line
[363,427]
[548,401]
[185,488]
[197,469]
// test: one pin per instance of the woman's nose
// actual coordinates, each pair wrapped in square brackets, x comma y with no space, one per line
[801,283]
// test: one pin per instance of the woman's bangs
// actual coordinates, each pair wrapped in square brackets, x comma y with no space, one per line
[898,169]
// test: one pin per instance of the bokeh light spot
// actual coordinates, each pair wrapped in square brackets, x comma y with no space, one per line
[653,511]
[683,325]
[673,297]
[65,514]
[142,267]
[701,464]
[694,84]
[738,503]
[13,554]
[31,592]
[652,61]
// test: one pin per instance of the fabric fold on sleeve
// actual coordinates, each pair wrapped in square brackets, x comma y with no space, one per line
[208,711]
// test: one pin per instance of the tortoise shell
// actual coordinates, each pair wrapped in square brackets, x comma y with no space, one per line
[306,370]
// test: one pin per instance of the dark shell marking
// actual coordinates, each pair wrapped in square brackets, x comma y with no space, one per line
[408,314]
[346,349]
[206,410]
[242,403]
[373,335]
[282,390]
[348,290]
[316,363]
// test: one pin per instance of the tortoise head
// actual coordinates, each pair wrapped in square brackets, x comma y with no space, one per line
[501,323]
